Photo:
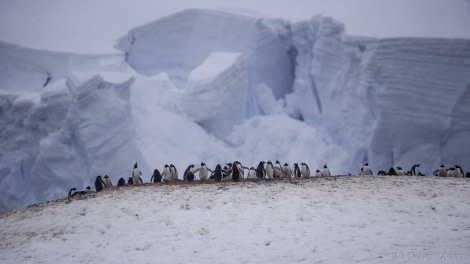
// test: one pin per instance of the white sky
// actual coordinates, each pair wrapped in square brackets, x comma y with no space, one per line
[92,26]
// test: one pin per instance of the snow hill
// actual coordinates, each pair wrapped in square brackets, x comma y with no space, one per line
[319,220]
[203,85]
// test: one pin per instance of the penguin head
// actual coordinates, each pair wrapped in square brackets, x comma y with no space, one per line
[317,171]
[166,166]
[203,164]
[366,164]
[135,165]
[285,164]
[398,167]
[88,187]
[277,162]
[106,176]
[442,166]
[325,167]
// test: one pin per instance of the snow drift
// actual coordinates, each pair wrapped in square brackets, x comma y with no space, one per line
[216,87]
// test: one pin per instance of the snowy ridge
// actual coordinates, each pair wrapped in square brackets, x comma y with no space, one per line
[214,87]
[322,220]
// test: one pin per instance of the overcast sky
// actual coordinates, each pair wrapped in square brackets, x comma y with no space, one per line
[92,26]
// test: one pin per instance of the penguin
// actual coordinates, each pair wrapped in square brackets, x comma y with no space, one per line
[236,171]
[166,174]
[305,170]
[156,176]
[260,170]
[296,170]
[277,170]
[251,173]
[458,171]
[218,173]
[203,171]
[415,170]
[227,172]
[325,172]
[99,183]
[400,171]
[107,182]
[317,173]
[130,181]
[381,173]
[121,182]
[286,171]
[269,170]
[174,172]
[442,171]
[72,192]
[467,175]
[189,173]
[451,172]
[392,172]
[366,171]
[87,190]
[136,175]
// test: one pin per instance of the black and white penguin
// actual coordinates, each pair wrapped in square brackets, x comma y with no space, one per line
[392,172]
[136,175]
[189,173]
[442,171]
[381,173]
[451,172]
[99,183]
[203,172]
[286,171]
[166,174]
[277,170]
[107,182]
[218,173]
[366,171]
[251,173]
[72,192]
[326,172]
[260,170]
[317,173]
[121,182]
[400,171]
[87,190]
[297,173]
[227,171]
[304,170]
[415,170]
[458,171]
[156,176]
[236,173]
[174,172]
[130,181]
[269,170]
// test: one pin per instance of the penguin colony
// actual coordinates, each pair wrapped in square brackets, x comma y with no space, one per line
[264,170]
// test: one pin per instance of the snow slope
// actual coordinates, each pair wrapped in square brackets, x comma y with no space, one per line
[214,87]
[322,220]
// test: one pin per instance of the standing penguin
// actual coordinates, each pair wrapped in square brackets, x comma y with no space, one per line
[174,172]
[392,172]
[189,173]
[156,176]
[107,182]
[277,170]
[415,170]
[99,183]
[458,171]
[326,171]
[260,170]
[286,171]
[366,171]
[218,173]
[166,173]
[297,173]
[400,171]
[251,173]
[305,170]
[203,172]
[136,175]
[130,181]
[121,182]
[442,171]
[269,170]
[235,171]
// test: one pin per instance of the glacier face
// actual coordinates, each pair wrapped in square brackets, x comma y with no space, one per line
[211,86]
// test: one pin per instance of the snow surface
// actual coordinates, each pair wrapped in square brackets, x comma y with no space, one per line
[318,220]
[215,87]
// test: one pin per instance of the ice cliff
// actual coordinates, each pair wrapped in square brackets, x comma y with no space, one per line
[211,86]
